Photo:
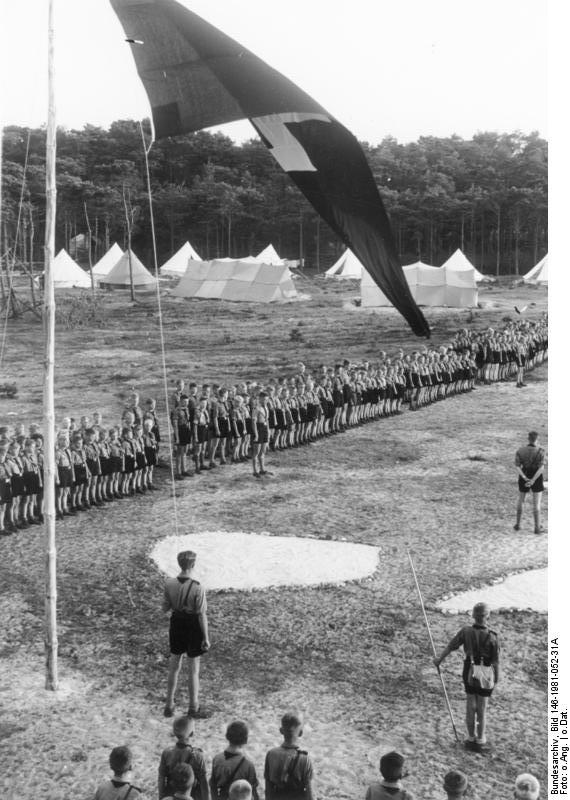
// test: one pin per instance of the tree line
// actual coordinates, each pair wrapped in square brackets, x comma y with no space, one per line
[486,195]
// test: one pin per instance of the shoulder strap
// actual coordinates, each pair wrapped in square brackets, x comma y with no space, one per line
[292,764]
[476,655]
[230,780]
[187,595]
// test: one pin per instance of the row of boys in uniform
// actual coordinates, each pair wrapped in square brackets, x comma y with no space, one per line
[94,465]
[500,355]
[288,771]
[217,425]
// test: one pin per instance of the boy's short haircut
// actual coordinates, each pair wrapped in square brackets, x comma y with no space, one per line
[527,787]
[192,385]
[149,400]
[89,431]
[481,610]
[121,759]
[240,790]
[290,721]
[237,733]
[533,436]
[186,559]
[262,394]
[391,766]
[183,726]
[182,777]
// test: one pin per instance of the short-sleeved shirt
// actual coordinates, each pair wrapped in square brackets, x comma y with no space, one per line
[529,458]
[225,771]
[184,594]
[478,640]
[183,753]
[116,790]
[387,791]
[279,764]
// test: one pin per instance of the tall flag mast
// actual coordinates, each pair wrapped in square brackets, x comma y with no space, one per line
[50,631]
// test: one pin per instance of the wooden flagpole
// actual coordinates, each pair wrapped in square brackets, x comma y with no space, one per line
[50,632]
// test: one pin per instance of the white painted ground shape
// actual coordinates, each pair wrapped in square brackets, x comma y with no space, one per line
[238,560]
[524,590]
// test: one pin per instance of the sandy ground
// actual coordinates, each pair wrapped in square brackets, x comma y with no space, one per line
[524,590]
[237,560]
[353,658]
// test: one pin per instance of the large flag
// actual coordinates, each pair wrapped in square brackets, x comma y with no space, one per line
[196,76]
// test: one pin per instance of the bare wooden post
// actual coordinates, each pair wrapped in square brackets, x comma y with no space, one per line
[89,249]
[129,219]
[50,634]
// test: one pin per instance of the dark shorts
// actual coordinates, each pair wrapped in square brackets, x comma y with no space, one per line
[32,482]
[185,635]
[80,475]
[106,465]
[5,490]
[224,427]
[537,486]
[184,435]
[94,465]
[64,477]
[150,456]
[116,463]
[18,486]
[201,434]
[472,689]
[262,433]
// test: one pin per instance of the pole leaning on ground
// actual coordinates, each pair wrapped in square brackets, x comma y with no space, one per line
[433,645]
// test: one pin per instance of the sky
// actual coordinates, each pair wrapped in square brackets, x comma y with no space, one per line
[404,69]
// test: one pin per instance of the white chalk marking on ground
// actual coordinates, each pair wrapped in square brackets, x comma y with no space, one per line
[238,560]
[521,591]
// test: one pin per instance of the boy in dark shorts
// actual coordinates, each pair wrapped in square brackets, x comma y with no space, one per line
[288,770]
[233,764]
[183,753]
[120,786]
[185,600]
[260,433]
[481,646]
[390,787]
[530,462]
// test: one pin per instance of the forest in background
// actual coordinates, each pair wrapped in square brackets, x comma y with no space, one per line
[486,195]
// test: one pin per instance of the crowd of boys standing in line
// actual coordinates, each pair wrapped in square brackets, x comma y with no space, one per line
[219,424]
[94,465]
[288,771]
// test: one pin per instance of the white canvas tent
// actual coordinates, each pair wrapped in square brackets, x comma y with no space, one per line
[67,274]
[175,267]
[270,256]
[458,262]
[538,275]
[107,262]
[119,276]
[429,286]
[237,280]
[347,266]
